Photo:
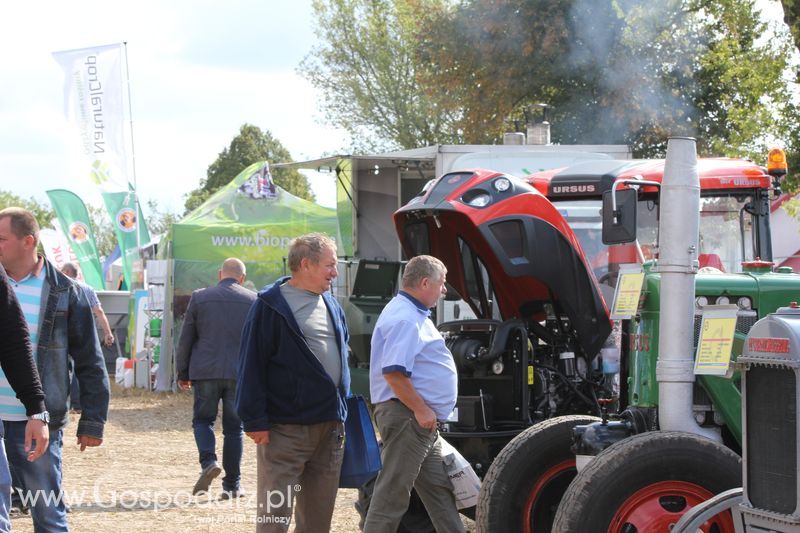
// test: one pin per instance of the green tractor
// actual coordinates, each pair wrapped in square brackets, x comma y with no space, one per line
[667,441]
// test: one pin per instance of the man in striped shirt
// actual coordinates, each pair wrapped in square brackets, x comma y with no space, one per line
[61,325]
[16,359]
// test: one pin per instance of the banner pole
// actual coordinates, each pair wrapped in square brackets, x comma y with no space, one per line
[133,153]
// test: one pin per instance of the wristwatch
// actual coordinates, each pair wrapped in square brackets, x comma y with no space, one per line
[44,416]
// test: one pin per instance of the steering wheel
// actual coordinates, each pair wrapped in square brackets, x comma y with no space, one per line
[605,277]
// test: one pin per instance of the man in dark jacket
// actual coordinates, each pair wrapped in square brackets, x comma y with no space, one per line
[61,325]
[207,360]
[293,381]
[16,359]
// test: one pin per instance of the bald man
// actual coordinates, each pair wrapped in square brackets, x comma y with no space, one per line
[207,361]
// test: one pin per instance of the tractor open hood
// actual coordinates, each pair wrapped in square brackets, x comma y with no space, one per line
[501,239]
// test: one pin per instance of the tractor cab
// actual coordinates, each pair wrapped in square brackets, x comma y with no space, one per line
[734,212]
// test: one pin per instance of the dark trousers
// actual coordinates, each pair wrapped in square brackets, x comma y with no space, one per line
[74,390]
[207,395]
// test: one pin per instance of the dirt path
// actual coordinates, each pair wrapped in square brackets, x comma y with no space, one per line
[140,479]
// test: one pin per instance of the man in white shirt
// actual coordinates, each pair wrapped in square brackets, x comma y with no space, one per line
[413,384]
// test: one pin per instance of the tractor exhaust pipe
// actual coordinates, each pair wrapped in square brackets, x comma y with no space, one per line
[678,232]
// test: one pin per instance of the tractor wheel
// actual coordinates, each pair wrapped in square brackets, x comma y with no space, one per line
[526,480]
[645,483]
[416,519]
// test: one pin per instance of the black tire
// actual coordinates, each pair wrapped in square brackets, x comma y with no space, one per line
[416,519]
[646,482]
[526,480]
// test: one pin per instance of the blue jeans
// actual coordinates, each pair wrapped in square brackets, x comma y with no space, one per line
[207,394]
[40,481]
[5,487]
[74,393]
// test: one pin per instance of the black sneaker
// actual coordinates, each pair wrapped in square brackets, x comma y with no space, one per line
[206,477]
[17,510]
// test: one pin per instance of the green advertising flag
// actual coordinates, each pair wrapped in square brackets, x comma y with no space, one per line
[77,226]
[120,206]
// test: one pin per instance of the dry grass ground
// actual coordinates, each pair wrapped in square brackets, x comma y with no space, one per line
[140,479]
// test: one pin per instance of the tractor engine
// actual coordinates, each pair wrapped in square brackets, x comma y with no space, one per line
[511,378]
[531,353]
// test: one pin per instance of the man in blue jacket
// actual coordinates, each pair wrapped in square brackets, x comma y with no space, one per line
[61,325]
[293,380]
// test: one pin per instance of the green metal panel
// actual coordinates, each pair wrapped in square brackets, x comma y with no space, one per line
[359,381]
[726,393]
[642,384]
[767,290]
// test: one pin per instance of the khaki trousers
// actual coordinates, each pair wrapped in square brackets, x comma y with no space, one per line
[299,467]
[412,457]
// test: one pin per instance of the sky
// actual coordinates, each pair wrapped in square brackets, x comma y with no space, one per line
[198,71]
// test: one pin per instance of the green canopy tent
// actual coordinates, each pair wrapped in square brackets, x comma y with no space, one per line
[250,218]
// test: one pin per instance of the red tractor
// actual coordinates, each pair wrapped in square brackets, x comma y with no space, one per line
[527,256]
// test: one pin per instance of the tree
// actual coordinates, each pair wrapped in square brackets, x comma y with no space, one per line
[618,71]
[791,15]
[370,76]
[159,221]
[43,213]
[249,146]
[104,236]
[613,71]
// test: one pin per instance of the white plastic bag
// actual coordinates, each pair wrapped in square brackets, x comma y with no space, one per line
[466,483]
[119,375]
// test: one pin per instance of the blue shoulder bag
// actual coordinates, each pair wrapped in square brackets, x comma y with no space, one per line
[362,455]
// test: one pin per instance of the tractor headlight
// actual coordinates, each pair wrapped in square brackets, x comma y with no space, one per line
[744,303]
[502,184]
[477,198]
[723,300]
[700,302]
[498,367]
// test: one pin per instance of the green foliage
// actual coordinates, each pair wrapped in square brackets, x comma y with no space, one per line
[158,221]
[623,71]
[792,207]
[746,98]
[101,222]
[371,79]
[43,213]
[249,146]
[791,183]
[791,15]
[613,71]
[106,239]
[104,236]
